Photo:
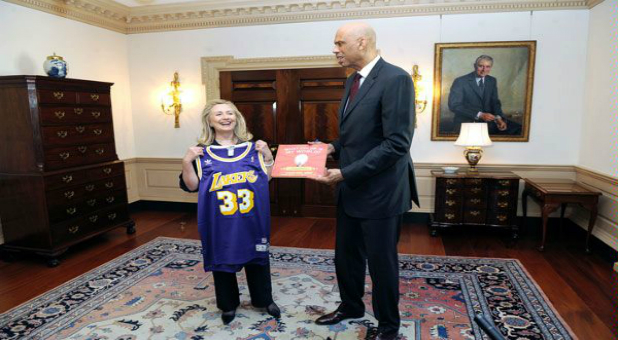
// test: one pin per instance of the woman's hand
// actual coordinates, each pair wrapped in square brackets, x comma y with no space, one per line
[262,147]
[193,153]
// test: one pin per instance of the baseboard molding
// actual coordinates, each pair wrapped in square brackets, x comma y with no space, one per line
[156,179]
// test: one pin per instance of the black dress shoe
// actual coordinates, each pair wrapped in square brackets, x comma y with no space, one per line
[273,310]
[390,336]
[336,317]
[228,317]
[373,334]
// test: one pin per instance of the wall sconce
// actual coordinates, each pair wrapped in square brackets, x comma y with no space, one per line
[419,90]
[170,102]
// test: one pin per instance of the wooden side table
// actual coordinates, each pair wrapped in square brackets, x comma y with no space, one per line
[554,193]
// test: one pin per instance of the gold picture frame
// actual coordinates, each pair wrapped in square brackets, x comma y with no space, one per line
[512,70]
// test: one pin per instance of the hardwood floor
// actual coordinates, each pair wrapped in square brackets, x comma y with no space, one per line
[581,287]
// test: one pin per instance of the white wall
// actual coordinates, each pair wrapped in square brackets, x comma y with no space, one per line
[599,145]
[149,60]
[556,107]
[28,36]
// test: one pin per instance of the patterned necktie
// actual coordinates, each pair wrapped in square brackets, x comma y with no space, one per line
[354,89]
[482,86]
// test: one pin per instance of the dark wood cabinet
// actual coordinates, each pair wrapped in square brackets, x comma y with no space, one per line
[483,198]
[60,178]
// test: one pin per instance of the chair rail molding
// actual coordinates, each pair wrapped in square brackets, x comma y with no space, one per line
[212,66]
[156,179]
[218,13]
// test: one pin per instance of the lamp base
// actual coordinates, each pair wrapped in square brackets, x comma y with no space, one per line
[473,155]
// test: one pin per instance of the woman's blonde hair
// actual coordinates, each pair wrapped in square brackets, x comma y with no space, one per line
[208,132]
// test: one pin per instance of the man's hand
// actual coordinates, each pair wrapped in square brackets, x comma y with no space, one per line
[331,176]
[487,117]
[501,124]
[330,149]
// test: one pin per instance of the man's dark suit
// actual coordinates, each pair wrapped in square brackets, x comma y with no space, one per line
[466,101]
[375,135]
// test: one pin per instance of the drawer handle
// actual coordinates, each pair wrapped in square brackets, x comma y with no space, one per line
[73,229]
[69,194]
[64,155]
[449,216]
[476,190]
[59,114]
[89,187]
[97,132]
[92,202]
[475,212]
[100,151]
[504,183]
[82,149]
[62,134]
[78,110]
[93,218]
[107,171]
[109,185]
[96,114]
[450,203]
[475,201]
[110,199]
[80,129]
[502,218]
[58,95]
[503,204]
[71,211]
[94,97]
[451,181]
[503,193]
[111,216]
[451,191]
[67,178]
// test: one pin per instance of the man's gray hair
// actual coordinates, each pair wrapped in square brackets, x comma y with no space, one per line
[483,57]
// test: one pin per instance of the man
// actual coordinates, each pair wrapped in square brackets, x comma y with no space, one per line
[474,98]
[376,182]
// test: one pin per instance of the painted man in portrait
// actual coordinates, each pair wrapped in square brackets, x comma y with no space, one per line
[474,98]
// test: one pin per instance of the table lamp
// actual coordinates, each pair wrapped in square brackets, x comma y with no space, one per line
[473,136]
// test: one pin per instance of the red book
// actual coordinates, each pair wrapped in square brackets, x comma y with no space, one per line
[300,161]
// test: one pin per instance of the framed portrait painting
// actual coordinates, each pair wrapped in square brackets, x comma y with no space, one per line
[483,82]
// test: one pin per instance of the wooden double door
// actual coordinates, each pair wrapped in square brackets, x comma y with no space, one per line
[291,106]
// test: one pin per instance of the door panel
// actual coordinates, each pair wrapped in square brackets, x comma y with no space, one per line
[291,107]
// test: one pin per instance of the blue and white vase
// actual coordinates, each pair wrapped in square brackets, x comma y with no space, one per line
[55,66]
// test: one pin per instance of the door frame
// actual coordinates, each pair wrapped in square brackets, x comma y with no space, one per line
[211,66]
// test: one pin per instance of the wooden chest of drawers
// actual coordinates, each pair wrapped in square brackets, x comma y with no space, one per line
[60,178]
[484,198]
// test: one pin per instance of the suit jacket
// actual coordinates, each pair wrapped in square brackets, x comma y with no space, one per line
[375,135]
[466,100]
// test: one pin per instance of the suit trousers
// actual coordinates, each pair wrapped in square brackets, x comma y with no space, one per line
[373,241]
[258,281]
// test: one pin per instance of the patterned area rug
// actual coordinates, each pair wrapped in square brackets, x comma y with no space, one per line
[160,291]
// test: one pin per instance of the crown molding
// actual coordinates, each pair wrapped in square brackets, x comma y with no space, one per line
[217,13]
[107,14]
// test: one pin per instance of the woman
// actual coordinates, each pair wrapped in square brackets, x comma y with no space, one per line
[231,176]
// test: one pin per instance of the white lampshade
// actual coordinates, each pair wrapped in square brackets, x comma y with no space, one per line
[473,134]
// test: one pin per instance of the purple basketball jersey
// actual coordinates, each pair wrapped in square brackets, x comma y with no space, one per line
[233,215]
